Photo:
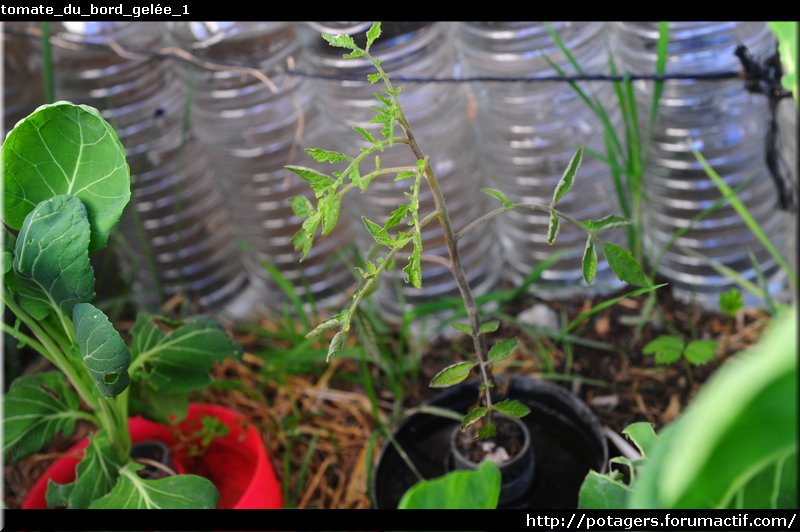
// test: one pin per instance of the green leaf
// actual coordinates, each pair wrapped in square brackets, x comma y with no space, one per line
[731,302]
[301,207]
[489,326]
[462,490]
[667,349]
[366,134]
[397,216]
[51,259]
[642,435]
[699,352]
[340,41]
[37,407]
[402,176]
[624,265]
[452,374]
[552,228]
[600,492]
[488,430]
[496,194]
[373,33]
[567,180]
[472,416]
[503,349]
[589,260]
[377,232]
[96,475]
[329,207]
[318,181]
[374,78]
[8,259]
[336,345]
[104,352]
[62,148]
[742,420]
[786,34]
[414,269]
[163,407]
[327,325]
[132,492]
[609,222]
[178,358]
[462,327]
[512,408]
[322,156]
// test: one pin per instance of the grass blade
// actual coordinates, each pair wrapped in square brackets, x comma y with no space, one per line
[737,204]
[604,305]
[289,291]
[658,86]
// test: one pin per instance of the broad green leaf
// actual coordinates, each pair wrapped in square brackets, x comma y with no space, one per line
[775,486]
[323,156]
[318,181]
[667,349]
[377,232]
[57,495]
[132,492]
[488,430]
[624,265]
[8,258]
[731,302]
[600,492]
[609,222]
[37,407]
[452,374]
[374,77]
[60,149]
[589,261]
[340,41]
[489,326]
[642,435]
[567,180]
[103,351]
[366,134]
[742,420]
[552,228]
[96,474]
[51,259]
[786,34]
[699,352]
[472,416]
[462,327]
[301,207]
[178,358]
[373,33]
[329,207]
[496,194]
[512,408]
[503,349]
[463,490]
[163,407]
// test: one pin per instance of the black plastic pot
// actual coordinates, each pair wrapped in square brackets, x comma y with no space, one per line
[516,474]
[566,439]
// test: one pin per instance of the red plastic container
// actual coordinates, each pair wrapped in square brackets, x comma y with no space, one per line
[237,463]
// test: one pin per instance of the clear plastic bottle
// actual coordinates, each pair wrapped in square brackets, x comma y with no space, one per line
[727,124]
[176,235]
[23,89]
[252,128]
[438,114]
[528,132]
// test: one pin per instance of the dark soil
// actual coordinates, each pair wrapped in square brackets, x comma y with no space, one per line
[509,437]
